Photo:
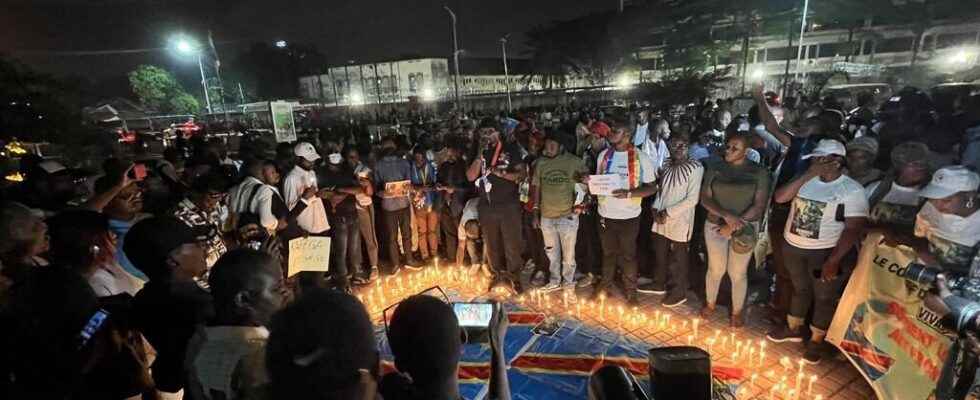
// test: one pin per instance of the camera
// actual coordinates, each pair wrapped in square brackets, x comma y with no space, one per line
[963,310]
[926,276]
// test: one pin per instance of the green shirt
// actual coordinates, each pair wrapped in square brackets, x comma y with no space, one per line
[555,178]
[734,188]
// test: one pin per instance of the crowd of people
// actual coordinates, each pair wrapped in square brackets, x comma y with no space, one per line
[167,277]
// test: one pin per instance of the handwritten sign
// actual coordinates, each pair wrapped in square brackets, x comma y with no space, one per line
[398,189]
[309,254]
[604,185]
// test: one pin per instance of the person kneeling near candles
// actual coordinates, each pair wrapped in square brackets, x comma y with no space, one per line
[426,340]
[469,234]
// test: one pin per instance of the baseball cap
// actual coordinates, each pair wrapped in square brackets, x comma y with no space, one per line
[149,242]
[951,180]
[865,143]
[307,151]
[827,147]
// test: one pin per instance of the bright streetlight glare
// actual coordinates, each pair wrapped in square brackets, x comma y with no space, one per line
[356,98]
[757,75]
[624,80]
[428,94]
[185,45]
[281,44]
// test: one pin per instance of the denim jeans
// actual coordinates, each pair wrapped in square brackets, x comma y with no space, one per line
[559,243]
[723,258]
[345,248]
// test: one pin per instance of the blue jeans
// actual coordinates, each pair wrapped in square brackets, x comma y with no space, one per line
[559,243]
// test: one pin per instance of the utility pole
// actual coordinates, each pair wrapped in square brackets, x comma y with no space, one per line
[503,49]
[204,82]
[452,16]
[799,48]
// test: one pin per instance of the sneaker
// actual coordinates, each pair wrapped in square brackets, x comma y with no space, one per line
[551,287]
[529,265]
[586,281]
[358,280]
[643,280]
[651,288]
[673,300]
[373,273]
[782,334]
[538,279]
[395,270]
[413,267]
[815,352]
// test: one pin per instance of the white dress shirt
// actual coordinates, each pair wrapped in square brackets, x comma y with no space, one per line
[314,218]
[260,205]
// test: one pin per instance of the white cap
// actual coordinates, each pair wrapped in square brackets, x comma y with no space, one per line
[949,181]
[306,151]
[827,147]
[51,166]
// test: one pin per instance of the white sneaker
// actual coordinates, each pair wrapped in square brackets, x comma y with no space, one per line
[529,264]
[551,287]
[474,269]
[586,281]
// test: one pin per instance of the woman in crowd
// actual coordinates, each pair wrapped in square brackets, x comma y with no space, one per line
[894,200]
[949,221]
[23,239]
[861,155]
[735,192]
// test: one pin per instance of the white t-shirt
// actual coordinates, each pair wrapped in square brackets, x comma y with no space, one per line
[314,218]
[111,279]
[952,238]
[898,207]
[812,222]
[611,207]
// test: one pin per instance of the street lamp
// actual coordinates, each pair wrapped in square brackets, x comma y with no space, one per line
[452,16]
[281,44]
[188,47]
[503,49]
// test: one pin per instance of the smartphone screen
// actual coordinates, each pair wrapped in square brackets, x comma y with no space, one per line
[92,326]
[473,314]
[139,171]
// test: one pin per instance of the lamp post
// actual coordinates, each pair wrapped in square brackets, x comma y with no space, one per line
[799,48]
[452,16]
[186,47]
[503,49]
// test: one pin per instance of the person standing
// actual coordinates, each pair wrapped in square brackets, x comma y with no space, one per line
[345,249]
[300,188]
[201,213]
[455,190]
[426,204]
[619,213]
[828,217]
[366,222]
[553,193]
[392,168]
[734,192]
[497,170]
[673,222]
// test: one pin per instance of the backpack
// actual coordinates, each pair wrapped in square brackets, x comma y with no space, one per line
[237,213]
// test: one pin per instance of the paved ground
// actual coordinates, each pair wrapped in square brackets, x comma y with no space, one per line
[835,378]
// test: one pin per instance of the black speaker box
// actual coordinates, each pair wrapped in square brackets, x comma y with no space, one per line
[680,372]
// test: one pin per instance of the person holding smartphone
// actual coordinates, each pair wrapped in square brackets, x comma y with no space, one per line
[827,218]
[425,338]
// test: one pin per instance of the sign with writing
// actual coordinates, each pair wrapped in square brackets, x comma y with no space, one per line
[883,327]
[282,121]
[604,185]
[309,254]
[398,189]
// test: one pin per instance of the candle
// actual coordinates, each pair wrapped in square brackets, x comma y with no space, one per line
[809,387]
[772,392]
[734,356]
[696,321]
[602,305]
[799,380]
[791,394]
[690,339]
[578,310]
[732,336]
[564,298]
[683,325]
[437,262]
[717,332]
[752,378]
[818,397]
[785,363]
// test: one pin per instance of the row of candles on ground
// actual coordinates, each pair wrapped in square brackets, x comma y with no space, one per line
[744,353]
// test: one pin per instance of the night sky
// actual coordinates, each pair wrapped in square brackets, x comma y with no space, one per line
[43,33]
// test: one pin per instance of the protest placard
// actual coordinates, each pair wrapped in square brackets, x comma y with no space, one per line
[398,189]
[604,185]
[309,254]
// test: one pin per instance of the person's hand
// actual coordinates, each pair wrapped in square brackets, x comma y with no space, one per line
[498,327]
[823,166]
[621,193]
[758,91]
[660,216]
[733,221]
[829,271]
[725,230]
[309,193]
[126,180]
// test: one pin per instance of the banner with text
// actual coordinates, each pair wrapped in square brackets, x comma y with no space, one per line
[883,327]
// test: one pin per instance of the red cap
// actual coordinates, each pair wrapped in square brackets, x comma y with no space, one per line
[600,128]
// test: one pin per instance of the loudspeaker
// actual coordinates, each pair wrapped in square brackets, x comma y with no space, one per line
[680,372]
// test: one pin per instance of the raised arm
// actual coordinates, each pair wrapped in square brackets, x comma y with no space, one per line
[768,120]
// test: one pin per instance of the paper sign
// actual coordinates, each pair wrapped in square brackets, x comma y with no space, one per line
[398,189]
[283,123]
[309,254]
[604,185]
